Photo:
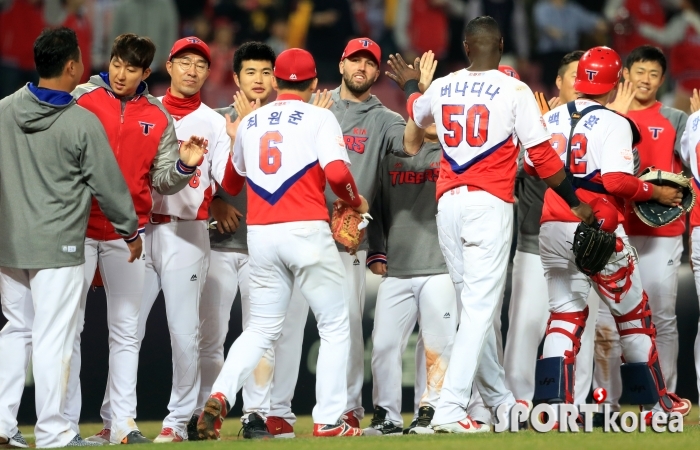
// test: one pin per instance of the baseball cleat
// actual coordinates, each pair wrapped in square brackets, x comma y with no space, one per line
[410,427]
[464,426]
[340,428]
[422,424]
[209,424]
[77,441]
[351,419]
[168,435]
[192,428]
[379,426]
[279,428]
[17,441]
[680,405]
[254,427]
[135,437]
[101,438]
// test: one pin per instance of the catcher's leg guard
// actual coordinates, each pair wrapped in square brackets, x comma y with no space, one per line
[554,376]
[643,381]
[615,285]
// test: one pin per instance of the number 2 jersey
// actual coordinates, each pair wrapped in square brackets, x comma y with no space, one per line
[481,117]
[282,149]
[601,144]
[192,202]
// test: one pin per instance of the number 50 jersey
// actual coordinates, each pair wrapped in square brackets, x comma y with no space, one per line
[480,117]
[282,149]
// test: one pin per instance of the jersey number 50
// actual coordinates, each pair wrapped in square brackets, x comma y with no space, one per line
[477,125]
[270,155]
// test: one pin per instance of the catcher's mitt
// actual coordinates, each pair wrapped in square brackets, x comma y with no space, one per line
[348,226]
[655,214]
[592,248]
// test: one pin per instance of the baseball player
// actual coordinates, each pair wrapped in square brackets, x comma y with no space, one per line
[690,143]
[659,249]
[597,148]
[253,63]
[50,168]
[370,131]
[143,139]
[177,237]
[479,111]
[286,150]
[404,248]
[528,310]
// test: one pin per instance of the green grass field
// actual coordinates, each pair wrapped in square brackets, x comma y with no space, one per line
[524,440]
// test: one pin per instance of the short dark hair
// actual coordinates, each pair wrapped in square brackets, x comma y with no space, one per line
[255,51]
[300,86]
[137,51]
[645,53]
[482,25]
[568,59]
[53,49]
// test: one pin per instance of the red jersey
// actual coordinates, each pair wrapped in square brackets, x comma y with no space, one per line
[142,137]
[661,128]
[20,25]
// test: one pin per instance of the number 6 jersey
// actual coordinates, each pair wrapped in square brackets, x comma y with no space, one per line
[481,117]
[282,149]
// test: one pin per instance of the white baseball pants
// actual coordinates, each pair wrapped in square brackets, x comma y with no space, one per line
[568,290]
[400,302]
[528,314]
[695,258]
[47,302]
[280,255]
[123,283]
[475,233]
[289,347]
[229,272]
[659,262]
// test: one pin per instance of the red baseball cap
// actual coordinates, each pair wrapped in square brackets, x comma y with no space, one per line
[363,44]
[508,70]
[295,64]
[190,43]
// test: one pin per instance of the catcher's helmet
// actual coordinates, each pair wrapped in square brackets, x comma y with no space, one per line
[599,70]
[508,71]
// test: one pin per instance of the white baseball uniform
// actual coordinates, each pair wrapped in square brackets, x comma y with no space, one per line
[690,155]
[603,145]
[480,117]
[177,260]
[282,150]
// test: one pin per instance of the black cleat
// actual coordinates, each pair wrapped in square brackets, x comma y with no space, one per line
[135,437]
[425,416]
[192,434]
[380,426]
[254,428]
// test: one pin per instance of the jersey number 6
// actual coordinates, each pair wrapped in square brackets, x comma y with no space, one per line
[477,125]
[270,155]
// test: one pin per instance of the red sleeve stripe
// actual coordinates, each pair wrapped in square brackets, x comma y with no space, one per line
[409,103]
[627,186]
[376,257]
[545,159]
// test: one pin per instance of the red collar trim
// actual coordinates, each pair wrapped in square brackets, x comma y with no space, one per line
[288,97]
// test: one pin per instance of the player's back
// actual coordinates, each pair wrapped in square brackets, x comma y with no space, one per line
[690,155]
[481,117]
[601,143]
[282,149]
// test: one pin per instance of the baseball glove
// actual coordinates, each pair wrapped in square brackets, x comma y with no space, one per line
[655,214]
[592,248]
[542,103]
[348,226]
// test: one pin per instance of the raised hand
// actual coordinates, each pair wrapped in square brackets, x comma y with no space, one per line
[192,151]
[695,101]
[323,99]
[402,72]
[625,94]
[243,106]
[428,65]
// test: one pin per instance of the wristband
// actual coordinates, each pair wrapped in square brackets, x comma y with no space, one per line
[566,191]
[410,88]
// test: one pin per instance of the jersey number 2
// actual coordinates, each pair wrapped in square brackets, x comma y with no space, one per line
[477,125]
[579,148]
[270,155]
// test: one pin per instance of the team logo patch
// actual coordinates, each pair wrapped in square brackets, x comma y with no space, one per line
[146,127]
[193,40]
[655,131]
[591,74]
[365,42]
[293,76]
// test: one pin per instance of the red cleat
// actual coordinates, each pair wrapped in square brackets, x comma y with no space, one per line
[209,424]
[279,428]
[350,419]
[341,428]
